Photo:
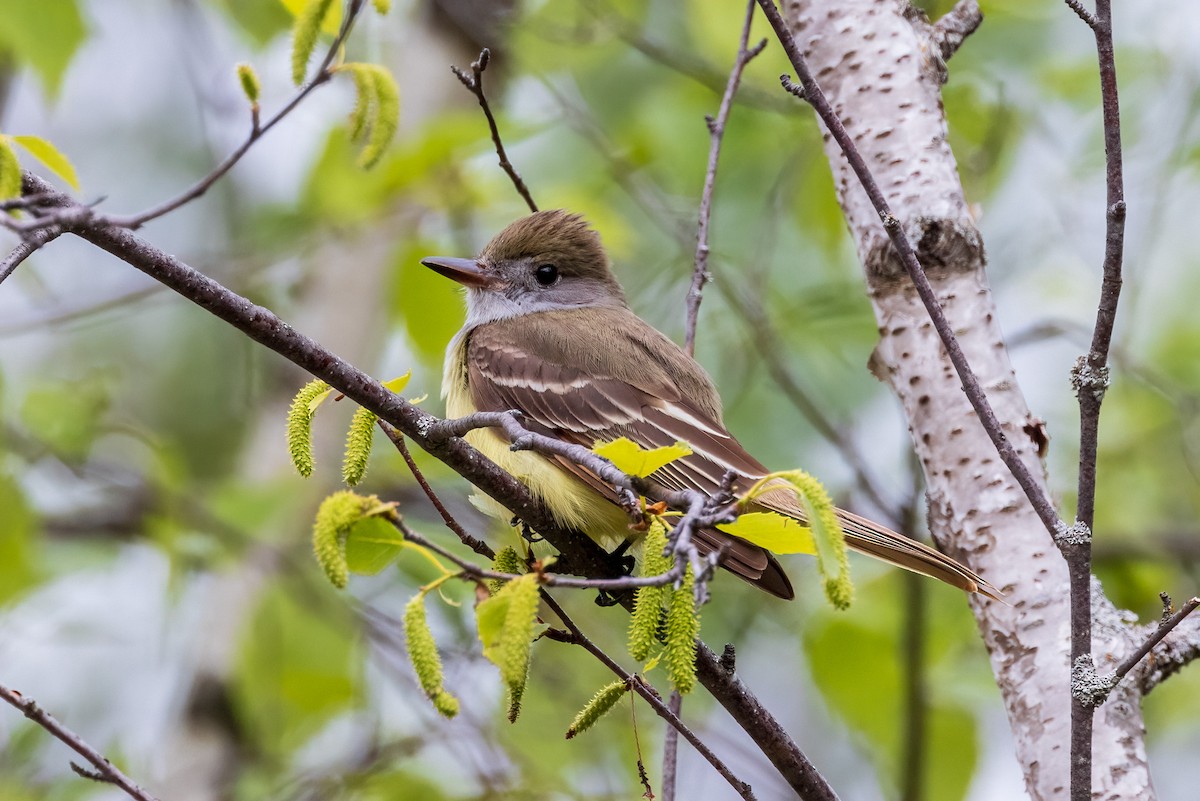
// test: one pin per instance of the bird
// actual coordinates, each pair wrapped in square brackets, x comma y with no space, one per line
[549,333]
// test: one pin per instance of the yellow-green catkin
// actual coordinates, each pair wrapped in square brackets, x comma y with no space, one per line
[358,446]
[682,629]
[364,99]
[517,638]
[336,515]
[248,78]
[515,693]
[304,36]
[601,703]
[382,6]
[832,559]
[423,654]
[386,118]
[648,601]
[506,561]
[299,426]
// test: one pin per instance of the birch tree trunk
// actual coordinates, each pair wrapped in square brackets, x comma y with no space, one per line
[881,65]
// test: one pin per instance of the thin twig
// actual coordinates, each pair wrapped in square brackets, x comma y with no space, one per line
[257,130]
[671,749]
[1165,627]
[716,130]
[650,696]
[26,248]
[1090,378]
[105,770]
[953,28]
[1088,18]
[474,543]
[474,83]
[970,382]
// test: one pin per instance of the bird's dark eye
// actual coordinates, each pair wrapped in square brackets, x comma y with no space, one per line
[546,274]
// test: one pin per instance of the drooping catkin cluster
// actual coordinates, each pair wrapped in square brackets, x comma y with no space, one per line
[506,622]
[677,625]
[604,700]
[358,446]
[648,601]
[336,515]
[507,561]
[832,559]
[299,426]
[682,629]
[423,653]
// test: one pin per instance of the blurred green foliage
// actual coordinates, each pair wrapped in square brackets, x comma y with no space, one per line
[143,422]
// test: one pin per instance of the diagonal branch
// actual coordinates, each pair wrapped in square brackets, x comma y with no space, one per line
[26,248]
[105,771]
[261,325]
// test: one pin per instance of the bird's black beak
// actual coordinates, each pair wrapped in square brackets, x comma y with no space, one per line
[467,272]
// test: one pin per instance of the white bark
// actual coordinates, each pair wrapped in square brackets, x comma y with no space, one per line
[877,62]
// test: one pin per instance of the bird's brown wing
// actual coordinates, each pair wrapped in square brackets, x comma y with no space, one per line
[588,408]
[680,405]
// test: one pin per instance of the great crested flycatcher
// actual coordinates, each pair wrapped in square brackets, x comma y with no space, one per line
[548,333]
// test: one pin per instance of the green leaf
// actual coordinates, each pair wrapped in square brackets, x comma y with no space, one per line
[867,691]
[17,542]
[43,36]
[774,532]
[371,545]
[634,460]
[51,156]
[261,20]
[489,620]
[397,384]
[10,171]
[427,305]
[298,667]
[67,416]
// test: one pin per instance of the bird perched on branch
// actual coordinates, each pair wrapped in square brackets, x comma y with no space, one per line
[549,333]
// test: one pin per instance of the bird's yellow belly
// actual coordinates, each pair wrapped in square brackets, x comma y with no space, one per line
[572,503]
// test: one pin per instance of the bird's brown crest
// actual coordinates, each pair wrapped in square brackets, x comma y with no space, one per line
[557,237]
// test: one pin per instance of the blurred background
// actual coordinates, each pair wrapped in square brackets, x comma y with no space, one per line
[157,590]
